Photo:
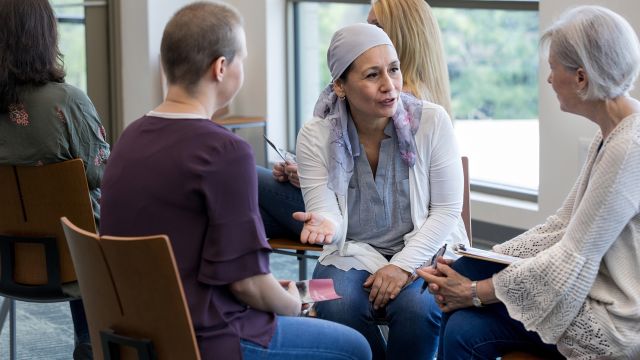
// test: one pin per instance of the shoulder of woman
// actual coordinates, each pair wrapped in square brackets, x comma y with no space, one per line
[433,111]
[316,127]
[71,96]
[433,117]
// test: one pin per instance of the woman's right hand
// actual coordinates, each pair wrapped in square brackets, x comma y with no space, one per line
[284,172]
[292,289]
[316,229]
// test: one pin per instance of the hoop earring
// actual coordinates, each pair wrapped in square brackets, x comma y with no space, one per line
[342,97]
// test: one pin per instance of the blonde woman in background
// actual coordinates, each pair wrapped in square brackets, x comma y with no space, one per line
[414,32]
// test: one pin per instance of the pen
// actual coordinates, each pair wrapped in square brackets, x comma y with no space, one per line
[434,262]
[287,156]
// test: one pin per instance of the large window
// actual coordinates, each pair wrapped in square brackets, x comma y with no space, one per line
[493,68]
[71,32]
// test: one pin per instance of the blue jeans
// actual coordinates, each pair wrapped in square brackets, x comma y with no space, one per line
[277,202]
[487,332]
[413,318]
[299,338]
[80,326]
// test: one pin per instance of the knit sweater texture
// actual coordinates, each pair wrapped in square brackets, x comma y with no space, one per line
[579,284]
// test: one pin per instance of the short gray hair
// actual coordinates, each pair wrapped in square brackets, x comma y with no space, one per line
[602,43]
[195,37]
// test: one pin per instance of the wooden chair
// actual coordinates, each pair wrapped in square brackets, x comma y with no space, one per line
[35,264]
[294,247]
[133,296]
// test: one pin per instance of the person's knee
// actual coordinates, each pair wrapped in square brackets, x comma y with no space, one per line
[355,344]
[344,310]
[419,309]
[265,177]
[458,333]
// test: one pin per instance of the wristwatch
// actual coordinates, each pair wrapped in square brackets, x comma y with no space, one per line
[474,294]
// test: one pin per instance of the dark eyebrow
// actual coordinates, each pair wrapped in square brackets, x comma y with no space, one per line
[377,68]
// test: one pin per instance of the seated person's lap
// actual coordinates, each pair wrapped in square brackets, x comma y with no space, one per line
[310,339]
[488,331]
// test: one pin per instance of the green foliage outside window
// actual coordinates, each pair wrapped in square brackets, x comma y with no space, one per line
[493,62]
[71,38]
[492,57]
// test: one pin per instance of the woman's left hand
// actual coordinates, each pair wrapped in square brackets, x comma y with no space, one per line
[385,284]
[451,290]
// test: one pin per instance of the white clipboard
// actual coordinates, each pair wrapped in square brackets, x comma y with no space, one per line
[463,250]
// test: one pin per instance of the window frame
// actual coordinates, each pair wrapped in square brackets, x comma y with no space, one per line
[293,28]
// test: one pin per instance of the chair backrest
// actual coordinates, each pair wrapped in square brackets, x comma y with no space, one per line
[466,210]
[131,287]
[33,200]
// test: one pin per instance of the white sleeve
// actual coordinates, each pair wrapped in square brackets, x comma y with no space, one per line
[445,189]
[311,154]
[547,291]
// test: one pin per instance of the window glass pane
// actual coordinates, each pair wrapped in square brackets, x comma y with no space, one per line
[317,23]
[71,37]
[493,59]
[493,69]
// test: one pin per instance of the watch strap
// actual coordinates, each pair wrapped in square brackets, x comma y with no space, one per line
[474,295]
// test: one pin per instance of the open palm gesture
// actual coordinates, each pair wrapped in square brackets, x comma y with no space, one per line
[316,229]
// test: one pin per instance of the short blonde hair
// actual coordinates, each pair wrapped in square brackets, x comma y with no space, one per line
[602,43]
[415,33]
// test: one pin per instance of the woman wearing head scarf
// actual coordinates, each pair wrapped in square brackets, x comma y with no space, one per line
[414,32]
[382,182]
[577,285]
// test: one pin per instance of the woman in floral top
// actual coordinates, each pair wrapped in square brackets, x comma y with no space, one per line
[42,119]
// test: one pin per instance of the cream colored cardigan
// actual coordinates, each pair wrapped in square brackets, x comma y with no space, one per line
[579,286]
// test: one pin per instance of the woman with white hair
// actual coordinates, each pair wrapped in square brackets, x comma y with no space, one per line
[576,290]
[382,180]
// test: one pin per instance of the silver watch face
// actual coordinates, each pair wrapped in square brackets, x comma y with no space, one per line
[476,302]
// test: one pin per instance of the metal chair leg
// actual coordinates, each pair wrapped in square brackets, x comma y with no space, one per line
[9,308]
[12,329]
[4,311]
[302,265]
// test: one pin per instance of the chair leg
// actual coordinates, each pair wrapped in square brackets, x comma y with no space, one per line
[4,311]
[9,307]
[12,329]
[302,265]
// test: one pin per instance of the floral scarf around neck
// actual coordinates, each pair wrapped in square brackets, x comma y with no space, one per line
[406,121]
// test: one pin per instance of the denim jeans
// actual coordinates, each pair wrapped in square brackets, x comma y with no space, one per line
[300,338]
[413,318]
[487,332]
[277,202]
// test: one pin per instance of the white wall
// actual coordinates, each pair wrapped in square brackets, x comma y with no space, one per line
[562,137]
[264,93]
[142,23]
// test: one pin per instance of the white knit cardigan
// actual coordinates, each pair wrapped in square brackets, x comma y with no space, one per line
[579,286]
